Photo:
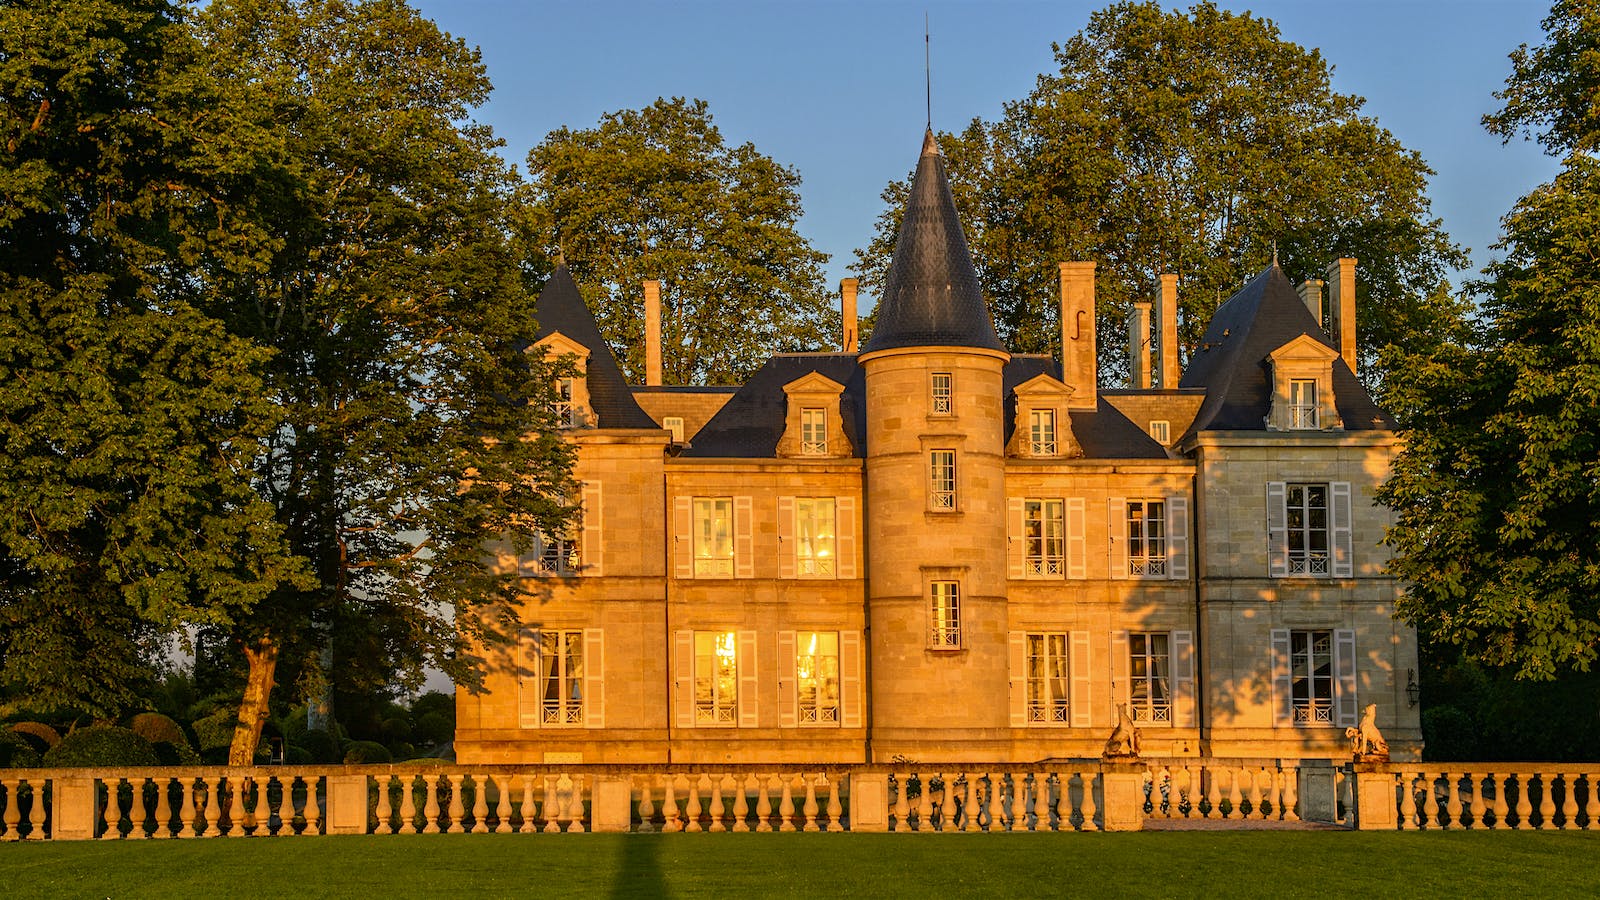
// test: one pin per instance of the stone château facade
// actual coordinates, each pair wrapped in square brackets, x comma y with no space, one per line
[934,549]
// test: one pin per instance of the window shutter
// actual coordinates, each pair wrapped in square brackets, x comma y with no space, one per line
[683,537]
[594,689]
[1079,665]
[786,531]
[1344,671]
[1121,674]
[1283,700]
[744,558]
[788,680]
[748,685]
[683,676]
[844,511]
[1018,645]
[1186,711]
[1077,550]
[1016,540]
[1117,536]
[1277,531]
[591,562]
[528,693]
[1339,524]
[852,668]
[1178,537]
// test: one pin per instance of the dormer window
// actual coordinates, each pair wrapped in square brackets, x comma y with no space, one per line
[1042,432]
[813,432]
[562,408]
[569,401]
[674,424]
[943,389]
[1302,387]
[1161,431]
[1303,403]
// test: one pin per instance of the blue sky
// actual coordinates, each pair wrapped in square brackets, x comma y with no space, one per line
[835,89]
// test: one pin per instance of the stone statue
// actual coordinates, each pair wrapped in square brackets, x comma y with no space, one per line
[1366,741]
[1124,741]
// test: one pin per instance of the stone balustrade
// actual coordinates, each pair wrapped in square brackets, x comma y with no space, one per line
[1067,795]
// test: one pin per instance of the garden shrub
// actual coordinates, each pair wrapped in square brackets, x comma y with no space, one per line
[361,752]
[16,752]
[433,729]
[216,731]
[1449,735]
[101,746]
[295,755]
[320,745]
[39,735]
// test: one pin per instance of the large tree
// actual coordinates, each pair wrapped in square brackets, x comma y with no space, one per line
[1553,94]
[657,194]
[1200,144]
[129,419]
[396,313]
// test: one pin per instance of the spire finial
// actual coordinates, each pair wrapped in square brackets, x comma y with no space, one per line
[927,67]
[1274,253]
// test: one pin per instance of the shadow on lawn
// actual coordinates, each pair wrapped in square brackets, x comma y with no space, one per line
[639,867]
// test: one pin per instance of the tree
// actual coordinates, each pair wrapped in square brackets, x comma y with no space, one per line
[1497,492]
[1201,144]
[412,427]
[656,194]
[1555,86]
[129,419]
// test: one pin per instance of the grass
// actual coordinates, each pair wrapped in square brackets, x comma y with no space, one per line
[1171,864]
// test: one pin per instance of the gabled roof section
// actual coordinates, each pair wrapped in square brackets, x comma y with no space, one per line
[931,296]
[560,309]
[750,424]
[1102,433]
[1233,362]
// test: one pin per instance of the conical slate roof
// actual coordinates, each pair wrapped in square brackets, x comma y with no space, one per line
[561,308]
[931,296]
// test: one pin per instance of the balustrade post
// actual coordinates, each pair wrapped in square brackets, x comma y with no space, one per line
[1452,800]
[1122,795]
[1524,802]
[430,804]
[313,806]
[13,808]
[1477,806]
[480,804]
[575,822]
[924,802]
[186,808]
[529,811]
[836,803]
[902,801]
[384,812]
[458,812]
[810,809]
[670,821]
[285,808]
[1091,807]
[741,805]
[408,804]
[763,803]
[1373,796]
[691,811]
[137,809]
[1213,791]
[716,804]
[997,788]
[502,810]
[1591,810]
[112,814]
[1569,801]
[1502,806]
[1430,799]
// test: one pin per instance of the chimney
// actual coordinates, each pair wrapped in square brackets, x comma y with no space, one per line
[850,343]
[1310,292]
[1342,307]
[1139,346]
[652,333]
[1077,333]
[1167,332]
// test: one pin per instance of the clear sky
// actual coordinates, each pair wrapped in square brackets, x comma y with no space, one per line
[835,88]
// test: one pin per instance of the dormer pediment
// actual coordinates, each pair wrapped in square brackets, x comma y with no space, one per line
[814,383]
[1304,348]
[557,345]
[1043,388]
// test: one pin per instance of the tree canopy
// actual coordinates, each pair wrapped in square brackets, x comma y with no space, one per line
[1554,88]
[1201,144]
[657,193]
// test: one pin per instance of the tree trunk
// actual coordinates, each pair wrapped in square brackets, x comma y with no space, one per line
[263,659]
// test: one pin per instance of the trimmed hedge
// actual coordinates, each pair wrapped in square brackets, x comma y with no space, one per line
[17,753]
[41,736]
[101,745]
[359,752]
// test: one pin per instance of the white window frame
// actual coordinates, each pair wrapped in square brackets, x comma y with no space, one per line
[816,537]
[1147,537]
[716,679]
[813,431]
[944,615]
[1312,681]
[941,394]
[1303,407]
[1048,677]
[560,653]
[818,687]
[565,405]
[1044,537]
[1303,532]
[709,560]
[1150,676]
[1042,432]
[942,480]
[674,424]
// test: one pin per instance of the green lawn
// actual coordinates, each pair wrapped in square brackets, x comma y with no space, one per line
[1173,864]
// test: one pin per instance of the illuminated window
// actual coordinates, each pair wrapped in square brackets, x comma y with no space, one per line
[813,432]
[1147,539]
[817,676]
[1042,432]
[943,388]
[1150,676]
[944,615]
[1042,532]
[713,536]
[942,479]
[1048,679]
[716,677]
[814,536]
[561,677]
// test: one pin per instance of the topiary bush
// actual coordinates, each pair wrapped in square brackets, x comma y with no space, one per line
[101,746]
[16,752]
[359,752]
[320,745]
[215,731]
[39,735]
[433,729]
[167,737]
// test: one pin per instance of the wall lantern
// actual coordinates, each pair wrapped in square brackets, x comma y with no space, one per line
[1413,691]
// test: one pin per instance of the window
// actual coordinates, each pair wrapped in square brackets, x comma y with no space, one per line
[1147,540]
[713,536]
[561,677]
[557,555]
[813,432]
[716,677]
[1048,679]
[1303,403]
[1311,677]
[564,409]
[944,616]
[1042,432]
[1150,676]
[1042,522]
[1307,519]
[817,677]
[943,389]
[942,480]
[1161,431]
[674,424]
[814,537]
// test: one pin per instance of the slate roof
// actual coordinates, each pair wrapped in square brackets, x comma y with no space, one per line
[1233,368]
[561,308]
[931,296]
[1104,433]
[750,424]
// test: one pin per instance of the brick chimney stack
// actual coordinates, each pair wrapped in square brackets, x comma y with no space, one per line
[1077,333]
[652,333]
[851,339]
